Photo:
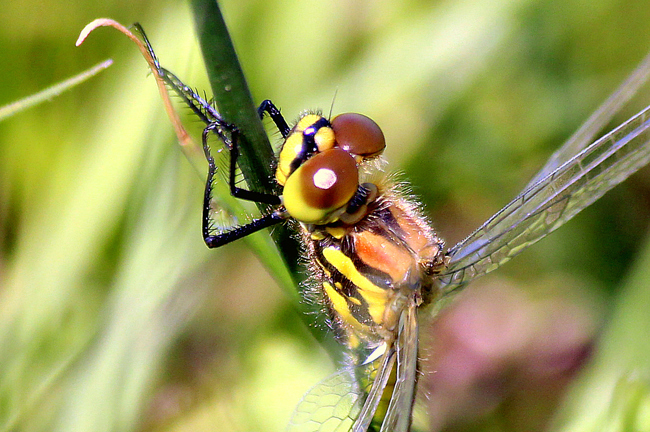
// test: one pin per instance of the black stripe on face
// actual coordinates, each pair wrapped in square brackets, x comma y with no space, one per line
[309,147]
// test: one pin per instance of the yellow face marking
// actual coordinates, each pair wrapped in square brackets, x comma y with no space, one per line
[376,297]
[337,233]
[307,121]
[324,138]
[290,150]
[293,145]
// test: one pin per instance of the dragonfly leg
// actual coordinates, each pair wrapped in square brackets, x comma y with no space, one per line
[273,112]
[212,241]
[228,134]
[138,28]
[222,129]
[199,105]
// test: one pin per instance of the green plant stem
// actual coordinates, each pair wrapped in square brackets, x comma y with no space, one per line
[51,92]
[236,106]
[232,95]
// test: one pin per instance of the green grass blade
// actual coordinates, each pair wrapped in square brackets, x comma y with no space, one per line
[235,103]
[51,92]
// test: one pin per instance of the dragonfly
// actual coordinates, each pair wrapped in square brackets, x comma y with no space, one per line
[375,260]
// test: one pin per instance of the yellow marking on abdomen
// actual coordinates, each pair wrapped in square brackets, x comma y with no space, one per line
[376,297]
[340,305]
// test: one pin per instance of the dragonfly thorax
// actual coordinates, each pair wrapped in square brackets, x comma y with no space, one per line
[318,167]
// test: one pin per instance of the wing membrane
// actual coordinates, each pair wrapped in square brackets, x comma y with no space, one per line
[596,122]
[345,401]
[387,362]
[332,405]
[551,202]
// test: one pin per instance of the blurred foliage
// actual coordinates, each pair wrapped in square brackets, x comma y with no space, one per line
[114,315]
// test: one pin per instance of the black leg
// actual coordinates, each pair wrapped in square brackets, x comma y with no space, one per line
[268,107]
[201,107]
[138,28]
[220,239]
[231,144]
[213,241]
[228,134]
[217,125]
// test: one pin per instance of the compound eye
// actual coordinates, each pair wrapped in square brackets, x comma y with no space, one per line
[358,134]
[320,186]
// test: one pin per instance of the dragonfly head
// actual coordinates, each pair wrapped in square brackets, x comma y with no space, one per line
[318,165]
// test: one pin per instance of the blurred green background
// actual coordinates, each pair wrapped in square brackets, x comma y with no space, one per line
[113,314]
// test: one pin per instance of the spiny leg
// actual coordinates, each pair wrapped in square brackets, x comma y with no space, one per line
[273,112]
[233,147]
[199,105]
[208,114]
[223,238]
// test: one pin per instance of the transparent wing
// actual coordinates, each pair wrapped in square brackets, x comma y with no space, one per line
[400,410]
[596,122]
[332,405]
[345,401]
[381,377]
[551,202]
[348,400]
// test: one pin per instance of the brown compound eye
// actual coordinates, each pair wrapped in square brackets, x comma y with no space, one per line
[320,186]
[358,134]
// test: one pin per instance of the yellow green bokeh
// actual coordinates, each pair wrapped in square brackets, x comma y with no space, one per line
[115,317]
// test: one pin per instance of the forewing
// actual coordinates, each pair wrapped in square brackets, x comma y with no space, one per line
[551,202]
[596,122]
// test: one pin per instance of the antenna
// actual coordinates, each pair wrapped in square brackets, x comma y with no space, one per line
[332,106]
